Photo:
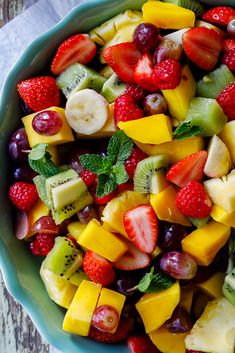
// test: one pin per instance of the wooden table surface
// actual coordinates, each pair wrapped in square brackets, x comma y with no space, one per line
[17,332]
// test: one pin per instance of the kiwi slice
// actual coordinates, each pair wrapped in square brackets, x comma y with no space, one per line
[113,88]
[192,5]
[229,287]
[40,183]
[106,72]
[214,82]
[78,77]
[149,174]
[77,277]
[200,222]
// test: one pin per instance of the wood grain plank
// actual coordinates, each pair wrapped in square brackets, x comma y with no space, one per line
[10,8]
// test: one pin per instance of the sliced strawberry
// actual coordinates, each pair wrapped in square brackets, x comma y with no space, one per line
[122,58]
[202,46]
[189,168]
[124,328]
[133,259]
[143,73]
[220,15]
[142,227]
[141,344]
[228,44]
[76,49]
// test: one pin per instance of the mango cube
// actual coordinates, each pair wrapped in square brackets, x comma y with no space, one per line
[102,242]
[64,135]
[112,298]
[165,208]
[156,308]
[222,216]
[213,286]
[178,99]
[79,315]
[38,210]
[168,342]
[204,243]
[167,16]
[154,129]
[76,228]
[186,298]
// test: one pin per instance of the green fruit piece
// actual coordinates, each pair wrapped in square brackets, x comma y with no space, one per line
[229,293]
[106,72]
[78,77]
[40,183]
[200,222]
[192,5]
[113,88]
[149,174]
[214,82]
[78,277]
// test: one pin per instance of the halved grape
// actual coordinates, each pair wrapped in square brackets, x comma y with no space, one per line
[180,321]
[167,49]
[105,318]
[22,225]
[47,123]
[155,103]
[18,145]
[46,225]
[179,265]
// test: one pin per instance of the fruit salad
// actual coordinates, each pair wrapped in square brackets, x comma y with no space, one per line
[123,183]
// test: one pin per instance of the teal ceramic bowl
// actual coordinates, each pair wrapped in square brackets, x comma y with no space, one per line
[20,269]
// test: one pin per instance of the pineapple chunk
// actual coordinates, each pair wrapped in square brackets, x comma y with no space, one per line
[38,210]
[204,243]
[213,286]
[227,135]
[222,216]
[156,308]
[168,342]
[76,228]
[214,331]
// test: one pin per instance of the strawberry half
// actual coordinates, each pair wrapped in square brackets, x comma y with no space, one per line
[142,227]
[141,344]
[143,73]
[76,49]
[122,58]
[189,168]
[220,15]
[122,332]
[202,46]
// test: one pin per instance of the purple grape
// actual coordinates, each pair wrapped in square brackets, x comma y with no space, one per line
[155,103]
[180,321]
[23,173]
[146,37]
[127,280]
[167,49]
[18,146]
[231,28]
[170,236]
[87,214]
[47,123]
[179,265]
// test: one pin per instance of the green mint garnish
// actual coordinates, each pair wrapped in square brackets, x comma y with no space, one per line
[119,148]
[154,282]
[40,161]
[186,130]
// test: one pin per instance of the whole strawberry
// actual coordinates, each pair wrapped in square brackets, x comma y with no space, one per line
[131,163]
[39,92]
[23,195]
[193,201]
[229,59]
[98,269]
[42,244]
[220,15]
[125,109]
[226,100]
[122,332]
[167,74]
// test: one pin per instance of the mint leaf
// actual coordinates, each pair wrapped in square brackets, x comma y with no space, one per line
[40,161]
[91,162]
[106,184]
[106,167]
[119,148]
[154,282]
[186,130]
[120,173]
[38,151]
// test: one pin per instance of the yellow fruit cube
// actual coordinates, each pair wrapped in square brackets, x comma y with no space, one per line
[76,228]
[175,149]
[204,243]
[186,298]
[79,315]
[168,342]
[213,286]
[38,210]
[165,208]
[112,298]
[222,216]
[154,129]
[54,154]
[156,308]
[178,99]
[102,242]
[167,16]
[228,137]
[64,135]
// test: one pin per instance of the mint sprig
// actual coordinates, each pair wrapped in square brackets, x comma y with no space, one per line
[186,130]
[40,161]
[154,282]
[110,169]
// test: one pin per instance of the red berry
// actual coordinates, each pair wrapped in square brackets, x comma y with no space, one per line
[228,44]
[42,244]
[146,37]
[136,91]
[167,74]
[193,201]
[220,15]
[39,93]
[76,49]
[88,177]
[126,109]
[126,186]
[103,200]
[226,100]
[141,344]
[98,269]
[144,73]
[131,163]
[122,332]
[229,59]
[23,195]
[105,318]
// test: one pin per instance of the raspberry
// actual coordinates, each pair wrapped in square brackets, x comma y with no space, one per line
[42,244]
[229,59]
[167,74]
[23,195]
[136,156]
[136,91]
[126,109]
[98,269]
[88,177]
[228,44]
[193,201]
[226,100]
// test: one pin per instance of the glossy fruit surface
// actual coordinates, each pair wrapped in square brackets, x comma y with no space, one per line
[146,37]
[170,236]
[179,265]
[47,123]
[155,103]
[46,225]
[105,318]
[180,321]
[18,145]
[167,49]
[231,28]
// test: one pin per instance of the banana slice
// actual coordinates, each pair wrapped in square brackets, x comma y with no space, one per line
[86,111]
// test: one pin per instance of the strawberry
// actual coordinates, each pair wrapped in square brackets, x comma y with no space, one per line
[42,244]
[229,59]
[76,49]
[122,332]
[193,201]
[189,168]
[122,58]
[39,92]
[126,109]
[141,344]
[202,46]
[143,75]
[23,195]
[131,163]
[226,100]
[88,177]
[167,74]
[136,91]
[142,228]
[98,269]
[220,15]
[228,44]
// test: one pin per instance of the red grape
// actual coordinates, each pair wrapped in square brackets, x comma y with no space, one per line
[46,225]
[180,321]
[146,37]
[170,236]
[105,318]
[87,214]
[47,123]
[167,49]
[23,172]
[21,224]
[179,265]
[155,103]
[231,28]
[18,145]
